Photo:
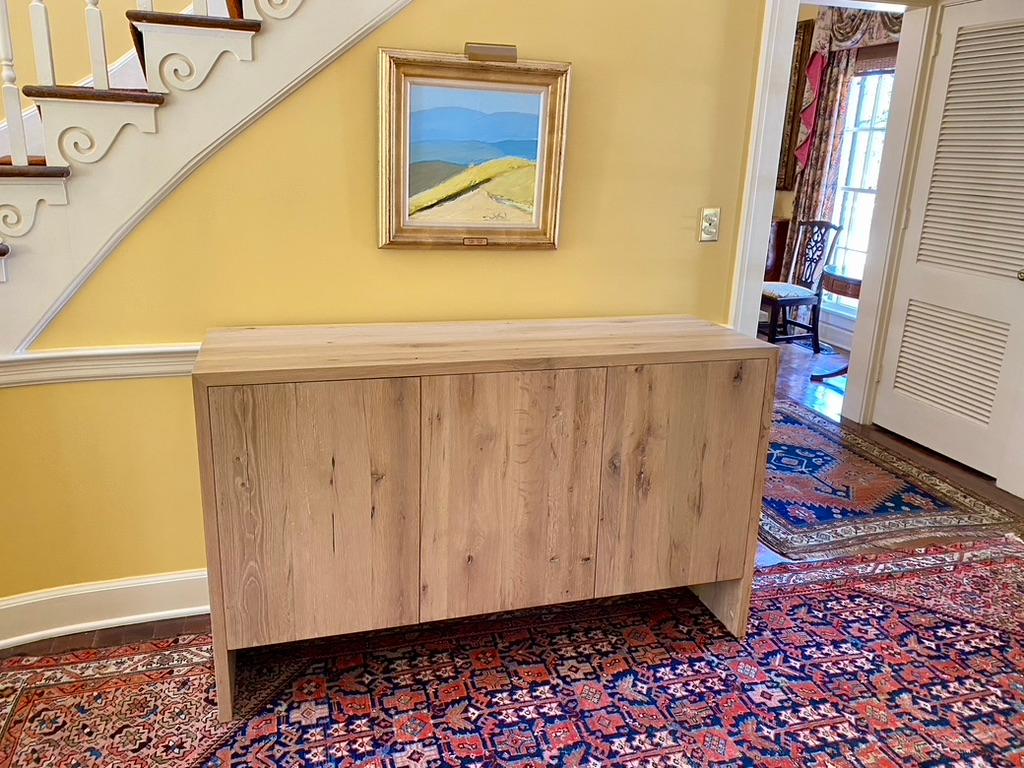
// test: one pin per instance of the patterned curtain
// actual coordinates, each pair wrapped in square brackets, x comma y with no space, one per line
[818,181]
[847,28]
[838,33]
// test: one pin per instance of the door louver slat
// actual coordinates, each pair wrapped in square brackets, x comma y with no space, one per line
[997,262]
[989,230]
[951,360]
[955,257]
[979,132]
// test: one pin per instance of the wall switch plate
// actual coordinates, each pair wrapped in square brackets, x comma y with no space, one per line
[710,219]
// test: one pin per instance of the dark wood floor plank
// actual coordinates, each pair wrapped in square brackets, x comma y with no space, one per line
[197,625]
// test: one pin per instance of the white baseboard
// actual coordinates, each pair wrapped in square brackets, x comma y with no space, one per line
[837,330]
[98,605]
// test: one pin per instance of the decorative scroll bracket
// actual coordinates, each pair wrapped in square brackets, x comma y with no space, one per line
[83,131]
[182,57]
[269,9]
[21,200]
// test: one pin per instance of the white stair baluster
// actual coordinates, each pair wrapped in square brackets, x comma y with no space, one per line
[9,91]
[40,17]
[200,8]
[145,5]
[97,44]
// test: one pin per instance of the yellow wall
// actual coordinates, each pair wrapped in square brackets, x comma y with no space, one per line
[99,481]
[280,226]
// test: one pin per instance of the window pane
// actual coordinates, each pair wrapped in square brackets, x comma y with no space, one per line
[858,152]
[867,101]
[860,221]
[884,99]
[874,160]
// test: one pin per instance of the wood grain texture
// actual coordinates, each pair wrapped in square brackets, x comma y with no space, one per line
[317,490]
[318,353]
[511,466]
[730,600]
[223,658]
[680,449]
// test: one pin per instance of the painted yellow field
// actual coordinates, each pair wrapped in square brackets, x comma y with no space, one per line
[477,176]
[474,208]
[517,187]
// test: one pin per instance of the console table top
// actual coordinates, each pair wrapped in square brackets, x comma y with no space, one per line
[275,354]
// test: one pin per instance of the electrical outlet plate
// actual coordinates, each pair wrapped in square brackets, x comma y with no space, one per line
[710,219]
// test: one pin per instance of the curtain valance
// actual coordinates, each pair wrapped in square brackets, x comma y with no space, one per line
[839,29]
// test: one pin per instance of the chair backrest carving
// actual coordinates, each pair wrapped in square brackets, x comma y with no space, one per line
[816,243]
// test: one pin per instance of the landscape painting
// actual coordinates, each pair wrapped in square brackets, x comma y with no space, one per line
[471,149]
[473,153]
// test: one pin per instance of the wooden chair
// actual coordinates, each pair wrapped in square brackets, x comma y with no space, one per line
[816,244]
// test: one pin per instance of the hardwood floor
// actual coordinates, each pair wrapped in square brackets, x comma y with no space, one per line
[796,366]
[100,638]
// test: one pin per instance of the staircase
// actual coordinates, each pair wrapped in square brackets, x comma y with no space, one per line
[108,155]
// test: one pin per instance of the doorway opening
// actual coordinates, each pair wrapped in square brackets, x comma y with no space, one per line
[840,92]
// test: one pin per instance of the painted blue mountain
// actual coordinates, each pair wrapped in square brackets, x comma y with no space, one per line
[468,153]
[461,124]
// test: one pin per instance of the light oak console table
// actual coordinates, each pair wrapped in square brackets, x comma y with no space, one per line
[357,477]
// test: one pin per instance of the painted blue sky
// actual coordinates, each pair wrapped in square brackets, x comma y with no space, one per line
[423,97]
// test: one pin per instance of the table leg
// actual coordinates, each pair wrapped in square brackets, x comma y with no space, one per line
[842,371]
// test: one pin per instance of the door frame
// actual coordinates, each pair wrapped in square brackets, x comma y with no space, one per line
[912,69]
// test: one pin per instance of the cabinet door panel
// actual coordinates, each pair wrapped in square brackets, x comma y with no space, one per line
[680,450]
[511,466]
[317,502]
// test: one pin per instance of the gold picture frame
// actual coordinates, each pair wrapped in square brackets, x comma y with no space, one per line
[455,175]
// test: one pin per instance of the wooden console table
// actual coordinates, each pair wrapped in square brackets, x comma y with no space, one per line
[368,476]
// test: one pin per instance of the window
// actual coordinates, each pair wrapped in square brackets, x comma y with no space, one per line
[863,137]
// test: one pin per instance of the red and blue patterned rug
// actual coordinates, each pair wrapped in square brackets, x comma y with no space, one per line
[902,659]
[831,492]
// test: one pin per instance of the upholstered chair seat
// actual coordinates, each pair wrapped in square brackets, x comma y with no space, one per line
[786,291]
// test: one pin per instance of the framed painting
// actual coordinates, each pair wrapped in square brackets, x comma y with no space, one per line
[471,152]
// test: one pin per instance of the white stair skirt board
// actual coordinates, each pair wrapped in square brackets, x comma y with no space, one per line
[98,605]
[107,200]
[181,57]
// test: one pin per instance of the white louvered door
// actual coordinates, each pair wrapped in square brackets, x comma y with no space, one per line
[953,374]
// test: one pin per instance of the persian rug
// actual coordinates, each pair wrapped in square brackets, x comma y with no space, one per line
[897,659]
[830,492]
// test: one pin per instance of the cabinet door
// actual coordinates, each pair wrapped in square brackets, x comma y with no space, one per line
[317,507]
[680,450]
[511,466]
